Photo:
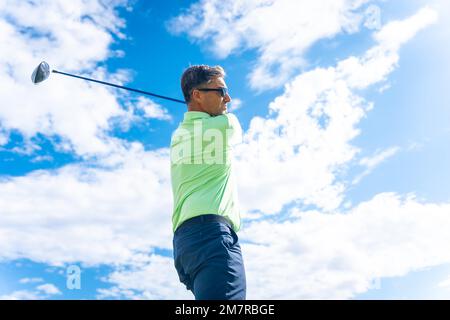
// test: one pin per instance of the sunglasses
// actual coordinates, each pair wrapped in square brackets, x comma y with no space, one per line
[222,90]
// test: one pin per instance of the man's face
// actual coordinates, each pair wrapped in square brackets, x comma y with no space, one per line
[211,101]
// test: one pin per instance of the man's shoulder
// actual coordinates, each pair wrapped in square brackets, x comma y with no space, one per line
[234,127]
[233,121]
[226,120]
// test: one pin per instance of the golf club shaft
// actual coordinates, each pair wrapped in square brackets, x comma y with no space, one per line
[120,87]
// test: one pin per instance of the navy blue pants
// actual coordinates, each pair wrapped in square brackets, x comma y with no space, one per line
[208,258]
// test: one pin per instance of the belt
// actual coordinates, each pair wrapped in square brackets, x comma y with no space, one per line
[204,218]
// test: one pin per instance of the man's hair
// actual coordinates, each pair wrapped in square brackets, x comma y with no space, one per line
[195,76]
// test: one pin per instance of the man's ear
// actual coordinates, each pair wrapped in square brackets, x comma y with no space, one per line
[195,95]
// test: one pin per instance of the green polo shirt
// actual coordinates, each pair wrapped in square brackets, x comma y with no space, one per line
[203,179]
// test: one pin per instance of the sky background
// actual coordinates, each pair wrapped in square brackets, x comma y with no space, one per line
[343,170]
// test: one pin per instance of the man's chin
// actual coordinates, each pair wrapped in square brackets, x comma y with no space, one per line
[220,112]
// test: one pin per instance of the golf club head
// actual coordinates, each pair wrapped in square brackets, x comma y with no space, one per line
[41,72]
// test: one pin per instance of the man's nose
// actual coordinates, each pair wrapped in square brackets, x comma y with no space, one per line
[227,98]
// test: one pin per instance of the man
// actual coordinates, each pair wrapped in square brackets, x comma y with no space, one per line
[206,215]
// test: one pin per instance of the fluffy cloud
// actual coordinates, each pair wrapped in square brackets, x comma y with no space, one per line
[30,280]
[152,109]
[48,289]
[305,144]
[235,104]
[78,112]
[20,295]
[41,292]
[88,214]
[151,277]
[337,255]
[235,25]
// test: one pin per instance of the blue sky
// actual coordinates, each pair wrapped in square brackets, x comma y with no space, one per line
[343,171]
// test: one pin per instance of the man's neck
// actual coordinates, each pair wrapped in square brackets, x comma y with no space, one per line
[195,108]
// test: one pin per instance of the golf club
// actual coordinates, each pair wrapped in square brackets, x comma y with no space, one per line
[42,72]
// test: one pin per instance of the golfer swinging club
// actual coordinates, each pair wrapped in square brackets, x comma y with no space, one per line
[206,214]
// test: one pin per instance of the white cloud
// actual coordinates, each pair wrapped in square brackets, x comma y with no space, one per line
[281,31]
[154,277]
[379,157]
[30,280]
[152,109]
[20,295]
[42,159]
[397,33]
[76,111]
[41,292]
[299,153]
[380,61]
[90,214]
[445,283]
[339,255]
[3,138]
[372,162]
[48,289]
[235,104]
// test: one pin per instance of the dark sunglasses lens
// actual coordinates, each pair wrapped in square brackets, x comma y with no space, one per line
[224,92]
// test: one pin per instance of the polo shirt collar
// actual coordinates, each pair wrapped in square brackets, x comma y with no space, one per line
[192,115]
